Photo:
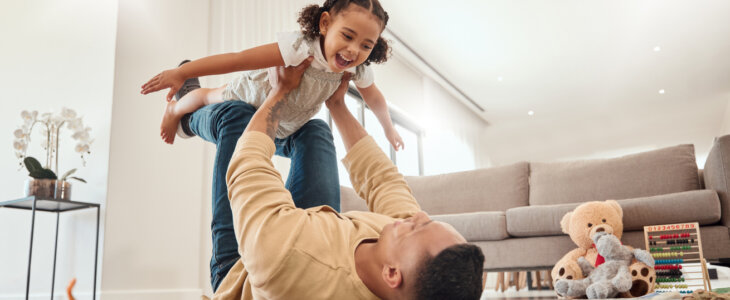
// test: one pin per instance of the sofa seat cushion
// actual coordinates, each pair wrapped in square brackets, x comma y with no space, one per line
[658,172]
[492,189]
[701,206]
[477,226]
[536,220]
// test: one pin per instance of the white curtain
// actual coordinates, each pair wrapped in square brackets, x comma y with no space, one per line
[236,25]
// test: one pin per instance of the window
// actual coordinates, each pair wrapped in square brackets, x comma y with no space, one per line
[374,129]
[409,160]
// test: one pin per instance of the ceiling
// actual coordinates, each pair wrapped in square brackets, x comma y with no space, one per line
[619,70]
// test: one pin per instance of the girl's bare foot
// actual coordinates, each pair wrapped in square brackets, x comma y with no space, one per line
[170,119]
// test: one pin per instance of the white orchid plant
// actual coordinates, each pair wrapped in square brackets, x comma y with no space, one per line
[51,125]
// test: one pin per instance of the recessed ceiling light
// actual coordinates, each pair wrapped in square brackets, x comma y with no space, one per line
[657,49]
[661,91]
[500,78]
[530,113]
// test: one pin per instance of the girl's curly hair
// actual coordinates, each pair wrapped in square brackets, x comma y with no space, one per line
[309,21]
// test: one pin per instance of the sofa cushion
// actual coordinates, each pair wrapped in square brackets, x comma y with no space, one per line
[658,172]
[477,226]
[537,220]
[491,189]
[701,206]
[349,200]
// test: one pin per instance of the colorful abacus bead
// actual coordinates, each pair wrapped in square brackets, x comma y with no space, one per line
[669,273]
[669,261]
[666,267]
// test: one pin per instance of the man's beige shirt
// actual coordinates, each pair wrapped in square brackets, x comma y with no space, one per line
[292,253]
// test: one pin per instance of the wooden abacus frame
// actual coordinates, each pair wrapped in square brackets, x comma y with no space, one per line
[684,230]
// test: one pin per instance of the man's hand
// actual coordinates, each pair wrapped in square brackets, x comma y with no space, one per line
[287,79]
[338,97]
[282,80]
[172,79]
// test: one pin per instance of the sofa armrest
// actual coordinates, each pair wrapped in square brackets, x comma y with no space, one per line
[717,174]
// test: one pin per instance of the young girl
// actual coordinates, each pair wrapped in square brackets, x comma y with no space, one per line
[341,36]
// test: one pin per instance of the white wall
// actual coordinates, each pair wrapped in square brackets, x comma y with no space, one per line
[155,190]
[54,54]
[726,120]
[581,137]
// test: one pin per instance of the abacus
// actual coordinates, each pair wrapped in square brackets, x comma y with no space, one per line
[678,260]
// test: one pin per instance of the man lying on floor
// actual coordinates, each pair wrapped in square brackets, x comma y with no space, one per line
[393,252]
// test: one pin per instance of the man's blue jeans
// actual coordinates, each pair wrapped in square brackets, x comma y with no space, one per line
[312,180]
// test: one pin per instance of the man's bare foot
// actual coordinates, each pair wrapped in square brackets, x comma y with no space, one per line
[170,119]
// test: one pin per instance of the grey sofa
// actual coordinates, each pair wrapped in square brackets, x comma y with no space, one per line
[513,212]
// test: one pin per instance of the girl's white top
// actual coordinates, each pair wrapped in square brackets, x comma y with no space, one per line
[316,86]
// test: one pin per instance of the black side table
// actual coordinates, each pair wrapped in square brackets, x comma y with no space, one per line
[58,206]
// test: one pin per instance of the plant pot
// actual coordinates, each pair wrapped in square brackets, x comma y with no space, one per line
[48,189]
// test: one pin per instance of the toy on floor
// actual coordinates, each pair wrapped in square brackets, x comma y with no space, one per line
[611,277]
[581,224]
[680,265]
[70,288]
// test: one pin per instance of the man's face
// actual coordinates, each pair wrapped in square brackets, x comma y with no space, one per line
[407,241]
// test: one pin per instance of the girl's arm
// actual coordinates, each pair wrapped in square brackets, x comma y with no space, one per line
[375,100]
[255,58]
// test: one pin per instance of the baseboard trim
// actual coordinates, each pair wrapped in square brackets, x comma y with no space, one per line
[171,294]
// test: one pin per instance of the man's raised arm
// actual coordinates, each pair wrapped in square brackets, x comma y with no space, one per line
[373,175]
[260,203]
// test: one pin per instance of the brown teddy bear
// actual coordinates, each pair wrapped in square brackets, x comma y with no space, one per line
[581,224]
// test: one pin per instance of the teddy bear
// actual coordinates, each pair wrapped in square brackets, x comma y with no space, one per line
[611,277]
[584,222]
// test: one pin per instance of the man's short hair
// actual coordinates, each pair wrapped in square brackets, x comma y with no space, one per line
[455,273]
